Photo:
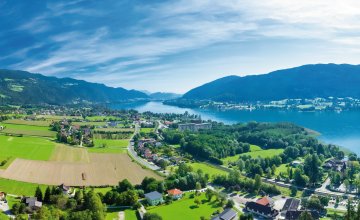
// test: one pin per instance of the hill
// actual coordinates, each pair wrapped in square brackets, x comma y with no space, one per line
[308,81]
[20,87]
[164,96]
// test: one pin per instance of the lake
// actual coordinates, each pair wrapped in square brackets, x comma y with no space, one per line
[337,128]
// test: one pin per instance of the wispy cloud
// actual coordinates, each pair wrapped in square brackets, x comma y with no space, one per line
[144,37]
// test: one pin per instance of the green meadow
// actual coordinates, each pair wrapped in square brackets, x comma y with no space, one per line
[185,208]
[112,213]
[42,123]
[32,148]
[22,129]
[255,152]
[19,188]
[111,146]
[146,130]
[209,169]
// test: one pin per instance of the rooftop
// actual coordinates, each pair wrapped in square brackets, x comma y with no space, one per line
[174,192]
[153,195]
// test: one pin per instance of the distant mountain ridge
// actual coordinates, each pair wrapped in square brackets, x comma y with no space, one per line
[308,81]
[21,87]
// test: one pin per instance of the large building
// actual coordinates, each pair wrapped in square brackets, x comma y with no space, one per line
[194,126]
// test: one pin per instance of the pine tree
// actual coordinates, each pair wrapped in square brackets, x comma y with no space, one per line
[38,194]
[47,195]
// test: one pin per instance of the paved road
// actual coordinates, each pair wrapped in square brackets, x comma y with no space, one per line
[139,159]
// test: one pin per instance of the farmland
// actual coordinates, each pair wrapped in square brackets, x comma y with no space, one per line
[43,123]
[103,169]
[146,130]
[32,148]
[63,153]
[22,129]
[186,209]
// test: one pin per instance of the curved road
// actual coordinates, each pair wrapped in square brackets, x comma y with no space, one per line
[134,155]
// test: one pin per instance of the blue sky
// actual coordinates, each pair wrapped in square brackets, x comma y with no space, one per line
[174,45]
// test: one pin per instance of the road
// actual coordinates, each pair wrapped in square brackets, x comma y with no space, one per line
[134,155]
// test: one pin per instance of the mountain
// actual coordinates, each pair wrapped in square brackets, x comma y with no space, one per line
[20,87]
[308,81]
[164,96]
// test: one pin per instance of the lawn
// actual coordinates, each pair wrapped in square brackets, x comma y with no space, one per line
[255,154]
[28,130]
[32,148]
[186,209]
[112,146]
[19,188]
[58,117]
[115,129]
[209,169]
[147,130]
[113,214]
[41,123]
[3,216]
[281,169]
[90,123]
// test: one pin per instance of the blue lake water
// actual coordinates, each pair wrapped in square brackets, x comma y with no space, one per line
[338,128]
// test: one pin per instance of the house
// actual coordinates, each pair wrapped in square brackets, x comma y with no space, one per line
[262,210]
[65,189]
[266,201]
[291,204]
[32,203]
[147,153]
[227,214]
[336,165]
[175,193]
[154,198]
[2,196]
[295,214]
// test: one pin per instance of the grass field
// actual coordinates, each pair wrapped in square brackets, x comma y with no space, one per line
[112,146]
[211,170]
[186,209]
[115,129]
[26,122]
[112,214]
[18,187]
[102,118]
[255,154]
[90,123]
[28,130]
[281,169]
[64,153]
[58,117]
[32,148]
[147,130]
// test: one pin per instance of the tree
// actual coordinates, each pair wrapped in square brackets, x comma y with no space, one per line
[306,216]
[312,168]
[209,194]
[124,186]
[43,213]
[258,182]
[197,202]
[47,195]
[38,194]
[293,190]
[152,216]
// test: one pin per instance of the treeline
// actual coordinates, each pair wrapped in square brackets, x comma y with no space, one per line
[112,134]
[227,140]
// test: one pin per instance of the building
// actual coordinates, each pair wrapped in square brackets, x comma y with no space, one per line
[291,204]
[227,214]
[263,210]
[194,127]
[296,163]
[266,201]
[32,203]
[154,198]
[65,189]
[175,193]
[295,214]
[2,196]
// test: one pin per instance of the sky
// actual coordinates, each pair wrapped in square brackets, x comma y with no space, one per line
[174,46]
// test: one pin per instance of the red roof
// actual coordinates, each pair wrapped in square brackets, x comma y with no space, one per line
[263,201]
[174,192]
